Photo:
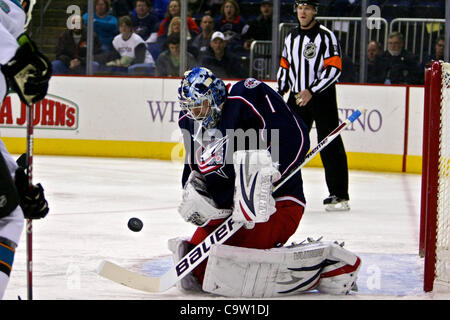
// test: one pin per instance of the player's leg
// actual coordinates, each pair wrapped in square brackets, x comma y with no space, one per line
[333,157]
[274,233]
[280,227]
[245,272]
[11,228]
[179,247]
[11,217]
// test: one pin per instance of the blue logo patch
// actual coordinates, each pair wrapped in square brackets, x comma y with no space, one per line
[4,6]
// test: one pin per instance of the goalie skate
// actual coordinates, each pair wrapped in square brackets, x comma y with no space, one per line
[333,203]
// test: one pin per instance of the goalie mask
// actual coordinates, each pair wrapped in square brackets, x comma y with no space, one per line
[201,96]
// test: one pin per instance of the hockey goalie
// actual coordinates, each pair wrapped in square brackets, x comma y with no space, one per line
[227,173]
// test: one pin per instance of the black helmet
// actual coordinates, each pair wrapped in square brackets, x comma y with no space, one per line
[314,3]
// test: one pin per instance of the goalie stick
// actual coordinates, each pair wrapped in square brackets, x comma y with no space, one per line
[222,233]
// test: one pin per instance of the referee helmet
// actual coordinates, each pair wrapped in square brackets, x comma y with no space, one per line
[314,3]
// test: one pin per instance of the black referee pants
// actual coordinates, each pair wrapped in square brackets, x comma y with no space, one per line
[322,109]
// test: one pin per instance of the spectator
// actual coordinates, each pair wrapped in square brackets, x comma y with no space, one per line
[131,51]
[373,50]
[261,27]
[173,10]
[175,27]
[145,23]
[168,62]
[376,68]
[105,24]
[201,41]
[439,52]
[71,50]
[221,61]
[232,25]
[402,65]
[121,7]
[160,8]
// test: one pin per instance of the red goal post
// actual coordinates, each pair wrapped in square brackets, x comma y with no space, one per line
[434,243]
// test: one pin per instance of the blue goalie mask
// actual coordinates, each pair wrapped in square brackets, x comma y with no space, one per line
[201,96]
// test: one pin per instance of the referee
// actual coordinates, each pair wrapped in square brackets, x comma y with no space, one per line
[310,66]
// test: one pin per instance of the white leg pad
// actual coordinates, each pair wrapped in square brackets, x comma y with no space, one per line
[179,248]
[242,272]
[342,281]
[340,277]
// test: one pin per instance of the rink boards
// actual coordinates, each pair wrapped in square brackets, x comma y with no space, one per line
[137,118]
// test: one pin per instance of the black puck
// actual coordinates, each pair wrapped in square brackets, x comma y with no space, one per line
[135,224]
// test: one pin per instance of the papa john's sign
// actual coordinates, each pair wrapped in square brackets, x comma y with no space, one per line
[52,112]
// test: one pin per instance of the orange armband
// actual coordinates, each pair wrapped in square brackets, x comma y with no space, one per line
[334,61]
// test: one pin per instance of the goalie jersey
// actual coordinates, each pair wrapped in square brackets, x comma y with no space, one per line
[253,116]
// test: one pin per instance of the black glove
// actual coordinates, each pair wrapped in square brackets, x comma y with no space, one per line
[28,72]
[32,200]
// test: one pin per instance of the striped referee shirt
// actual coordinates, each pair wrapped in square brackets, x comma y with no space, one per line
[311,59]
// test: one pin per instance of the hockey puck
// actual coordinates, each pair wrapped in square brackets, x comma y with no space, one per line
[135,224]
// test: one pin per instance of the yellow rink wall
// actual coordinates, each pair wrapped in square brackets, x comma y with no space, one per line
[137,118]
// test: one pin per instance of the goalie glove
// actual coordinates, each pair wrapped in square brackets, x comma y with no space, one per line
[32,199]
[197,205]
[28,72]
[255,174]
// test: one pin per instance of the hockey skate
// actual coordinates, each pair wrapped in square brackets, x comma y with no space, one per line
[334,203]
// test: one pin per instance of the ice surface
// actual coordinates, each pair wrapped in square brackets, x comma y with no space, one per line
[92,199]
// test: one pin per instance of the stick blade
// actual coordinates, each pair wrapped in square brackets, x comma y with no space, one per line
[128,278]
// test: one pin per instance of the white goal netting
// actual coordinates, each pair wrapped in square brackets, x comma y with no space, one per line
[442,272]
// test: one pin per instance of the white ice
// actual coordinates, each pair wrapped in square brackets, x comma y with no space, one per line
[91,200]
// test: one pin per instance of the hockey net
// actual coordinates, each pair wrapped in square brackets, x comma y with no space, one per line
[435,202]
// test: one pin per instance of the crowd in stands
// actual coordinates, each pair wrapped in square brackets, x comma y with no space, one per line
[142,37]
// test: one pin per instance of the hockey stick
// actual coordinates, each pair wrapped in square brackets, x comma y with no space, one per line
[142,282]
[29,225]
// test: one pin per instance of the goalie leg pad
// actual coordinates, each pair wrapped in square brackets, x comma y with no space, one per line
[341,275]
[339,279]
[278,272]
[180,247]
